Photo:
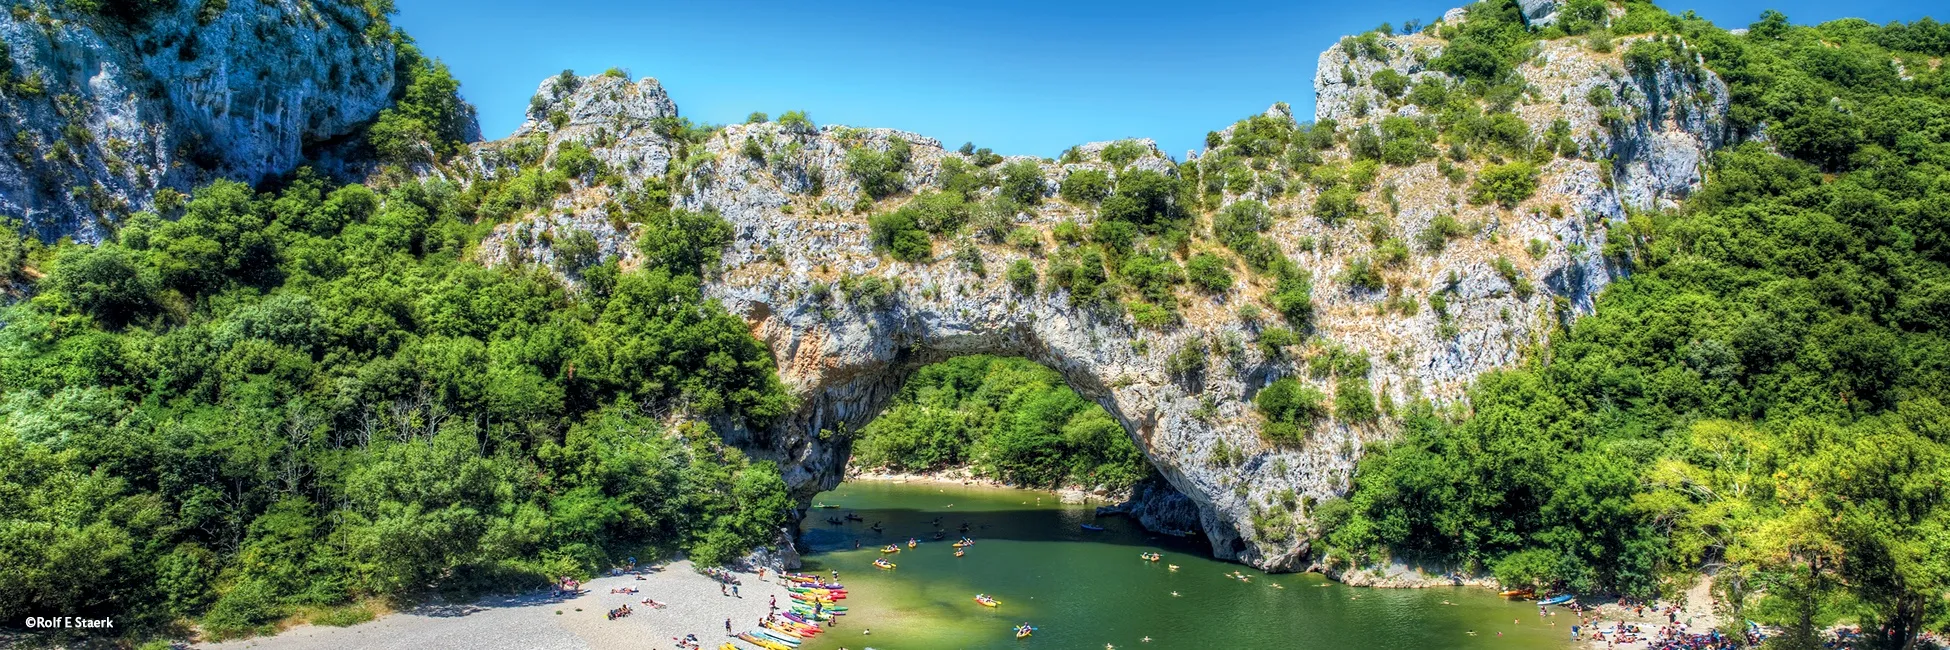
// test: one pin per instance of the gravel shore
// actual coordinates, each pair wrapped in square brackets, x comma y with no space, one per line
[545,622]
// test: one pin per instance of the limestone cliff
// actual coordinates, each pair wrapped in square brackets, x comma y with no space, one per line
[801,251]
[103,111]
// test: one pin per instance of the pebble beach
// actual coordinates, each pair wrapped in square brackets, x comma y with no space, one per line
[544,621]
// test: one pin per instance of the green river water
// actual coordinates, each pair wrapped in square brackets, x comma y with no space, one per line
[1088,589]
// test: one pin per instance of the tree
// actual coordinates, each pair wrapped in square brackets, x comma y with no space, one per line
[1209,273]
[1085,186]
[1022,182]
[899,234]
[109,283]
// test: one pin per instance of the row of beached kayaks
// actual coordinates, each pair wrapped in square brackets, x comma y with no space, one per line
[812,601]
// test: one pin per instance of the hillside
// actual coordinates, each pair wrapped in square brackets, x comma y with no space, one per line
[1360,242]
[1583,296]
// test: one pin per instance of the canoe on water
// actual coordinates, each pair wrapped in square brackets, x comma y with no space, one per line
[1092,528]
[1557,600]
[1515,593]
[988,602]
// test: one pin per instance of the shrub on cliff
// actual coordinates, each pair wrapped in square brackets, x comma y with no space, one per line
[1085,186]
[1506,185]
[1290,408]
[880,173]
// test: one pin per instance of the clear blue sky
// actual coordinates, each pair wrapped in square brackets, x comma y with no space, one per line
[1019,76]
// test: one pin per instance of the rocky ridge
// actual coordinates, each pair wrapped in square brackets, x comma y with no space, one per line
[107,112]
[802,239]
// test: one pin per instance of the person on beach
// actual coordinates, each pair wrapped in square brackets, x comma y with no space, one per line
[727,627]
[734,592]
[775,602]
[722,591]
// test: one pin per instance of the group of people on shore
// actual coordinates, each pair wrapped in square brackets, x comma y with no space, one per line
[1673,635]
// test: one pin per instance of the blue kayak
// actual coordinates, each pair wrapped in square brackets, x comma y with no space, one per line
[1090,527]
[1557,600]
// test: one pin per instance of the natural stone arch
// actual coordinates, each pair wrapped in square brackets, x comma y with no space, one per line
[846,363]
[800,223]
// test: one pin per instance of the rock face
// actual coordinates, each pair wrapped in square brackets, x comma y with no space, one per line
[848,325]
[1539,13]
[105,111]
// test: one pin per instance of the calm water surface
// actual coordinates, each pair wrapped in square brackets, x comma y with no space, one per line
[1088,589]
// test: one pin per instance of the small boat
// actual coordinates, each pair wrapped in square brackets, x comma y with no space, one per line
[911,543]
[1093,528]
[964,543]
[852,517]
[890,548]
[1022,631]
[825,506]
[1151,557]
[1174,567]
[875,527]
[1557,600]
[835,521]
[959,552]
[986,601]
[883,563]
[1515,593]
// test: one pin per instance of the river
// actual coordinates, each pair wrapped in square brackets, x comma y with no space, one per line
[1084,589]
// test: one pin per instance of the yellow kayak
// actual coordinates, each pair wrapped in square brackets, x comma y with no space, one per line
[883,563]
[988,602]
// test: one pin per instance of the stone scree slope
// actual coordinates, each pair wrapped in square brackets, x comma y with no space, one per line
[795,238]
[175,100]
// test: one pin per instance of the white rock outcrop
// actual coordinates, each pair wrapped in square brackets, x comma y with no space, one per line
[798,242]
[107,112]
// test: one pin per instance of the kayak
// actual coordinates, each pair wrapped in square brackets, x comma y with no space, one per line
[781,629]
[1515,593]
[1092,528]
[883,563]
[1023,631]
[762,642]
[1557,600]
[988,602]
[775,637]
[959,552]
[778,640]
[825,505]
[823,605]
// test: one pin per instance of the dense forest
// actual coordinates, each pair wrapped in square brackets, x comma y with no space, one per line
[1762,397]
[266,403]
[1006,418]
